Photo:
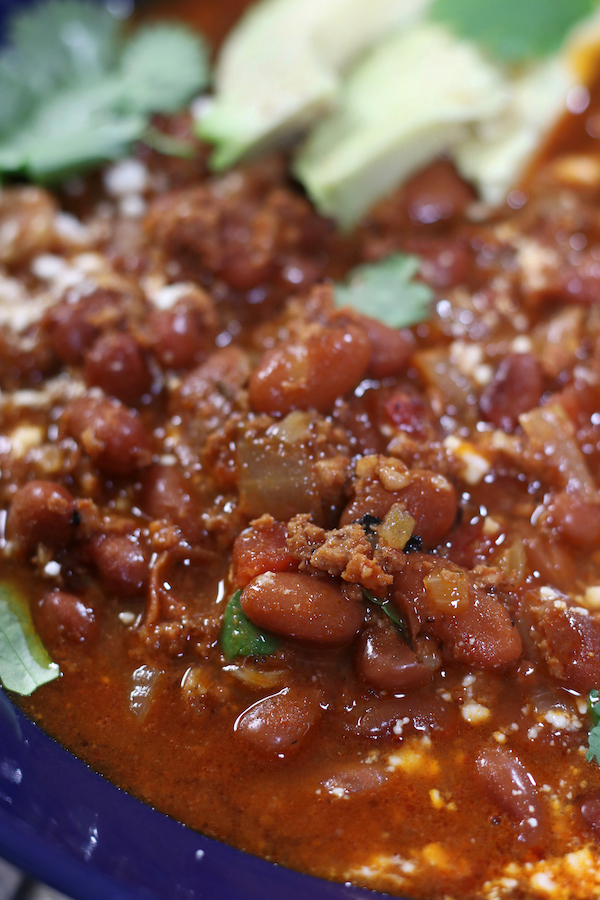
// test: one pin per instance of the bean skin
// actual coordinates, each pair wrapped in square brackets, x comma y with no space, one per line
[115,363]
[310,374]
[590,810]
[516,387]
[301,607]
[41,512]
[61,617]
[111,434]
[573,647]
[278,726]
[121,564]
[576,519]
[386,662]
[513,788]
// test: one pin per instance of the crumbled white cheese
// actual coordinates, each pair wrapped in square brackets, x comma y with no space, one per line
[475,466]
[475,713]
[166,297]
[23,438]
[128,176]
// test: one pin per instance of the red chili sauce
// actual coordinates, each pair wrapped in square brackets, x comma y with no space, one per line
[411,516]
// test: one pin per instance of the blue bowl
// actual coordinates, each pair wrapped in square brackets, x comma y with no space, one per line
[69,827]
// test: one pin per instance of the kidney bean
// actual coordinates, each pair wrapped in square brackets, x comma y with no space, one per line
[513,788]
[431,501]
[483,635]
[576,518]
[590,810]
[386,662]
[516,387]
[573,650]
[391,348]
[356,778]
[419,711]
[278,726]
[41,512]
[177,336]
[112,435]
[429,498]
[299,606]
[474,627]
[312,373]
[408,413]
[71,332]
[121,563]
[115,363]
[260,549]
[62,617]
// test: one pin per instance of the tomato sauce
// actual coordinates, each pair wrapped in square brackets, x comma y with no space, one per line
[323,589]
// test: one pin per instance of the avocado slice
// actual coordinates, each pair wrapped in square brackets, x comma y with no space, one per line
[415,94]
[279,70]
[500,151]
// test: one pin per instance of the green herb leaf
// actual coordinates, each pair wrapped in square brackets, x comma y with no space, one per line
[385,290]
[24,663]
[513,30]
[74,93]
[593,704]
[387,607]
[240,637]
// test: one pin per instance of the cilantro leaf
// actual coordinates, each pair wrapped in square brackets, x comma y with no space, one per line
[513,30]
[74,92]
[593,704]
[385,290]
[24,663]
[239,636]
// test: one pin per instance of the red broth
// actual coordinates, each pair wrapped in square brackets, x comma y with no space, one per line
[416,721]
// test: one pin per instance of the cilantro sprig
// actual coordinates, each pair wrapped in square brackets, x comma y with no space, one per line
[24,663]
[387,607]
[513,30]
[239,636]
[593,704]
[75,91]
[386,290]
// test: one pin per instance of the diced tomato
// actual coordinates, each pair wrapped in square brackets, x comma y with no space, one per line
[261,549]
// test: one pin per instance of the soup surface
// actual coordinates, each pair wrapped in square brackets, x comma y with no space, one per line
[320,588]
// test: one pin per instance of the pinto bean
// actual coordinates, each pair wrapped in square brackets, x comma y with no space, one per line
[115,364]
[41,512]
[573,647]
[312,373]
[112,435]
[121,563]
[63,617]
[278,726]
[302,607]
[513,788]
[516,387]
[386,662]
